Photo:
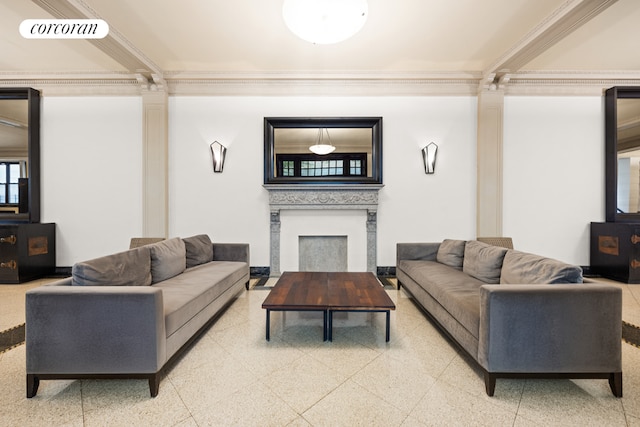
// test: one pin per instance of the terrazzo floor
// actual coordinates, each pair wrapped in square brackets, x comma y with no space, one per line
[233,376]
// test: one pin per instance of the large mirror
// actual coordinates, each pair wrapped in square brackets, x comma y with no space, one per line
[315,150]
[19,155]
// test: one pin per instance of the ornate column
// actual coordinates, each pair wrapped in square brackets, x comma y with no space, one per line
[372,250]
[155,160]
[275,243]
[489,174]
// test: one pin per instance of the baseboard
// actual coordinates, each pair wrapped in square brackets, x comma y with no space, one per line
[386,271]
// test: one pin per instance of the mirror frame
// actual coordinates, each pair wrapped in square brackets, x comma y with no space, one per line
[33,152]
[272,123]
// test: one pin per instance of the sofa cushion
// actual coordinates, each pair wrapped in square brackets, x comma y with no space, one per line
[451,253]
[168,259]
[199,250]
[129,268]
[524,268]
[187,294]
[455,291]
[483,261]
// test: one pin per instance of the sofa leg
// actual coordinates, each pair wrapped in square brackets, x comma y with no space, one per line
[489,383]
[615,382]
[32,385]
[154,384]
[399,284]
[246,285]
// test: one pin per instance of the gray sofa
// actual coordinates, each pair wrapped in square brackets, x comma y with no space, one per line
[516,314]
[128,315]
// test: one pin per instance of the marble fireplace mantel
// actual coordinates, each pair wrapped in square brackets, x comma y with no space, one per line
[323,197]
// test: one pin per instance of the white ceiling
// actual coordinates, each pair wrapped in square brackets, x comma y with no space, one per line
[423,39]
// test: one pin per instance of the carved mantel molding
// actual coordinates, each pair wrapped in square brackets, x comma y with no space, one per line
[323,197]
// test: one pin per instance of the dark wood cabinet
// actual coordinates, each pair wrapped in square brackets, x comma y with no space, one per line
[27,252]
[615,250]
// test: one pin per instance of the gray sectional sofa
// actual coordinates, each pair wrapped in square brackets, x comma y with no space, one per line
[128,315]
[516,314]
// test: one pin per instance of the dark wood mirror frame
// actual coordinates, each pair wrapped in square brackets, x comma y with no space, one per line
[611,152]
[33,162]
[273,123]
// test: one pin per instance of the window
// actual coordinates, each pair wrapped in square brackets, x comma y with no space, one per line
[313,165]
[9,178]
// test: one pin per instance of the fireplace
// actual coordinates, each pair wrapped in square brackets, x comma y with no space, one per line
[338,199]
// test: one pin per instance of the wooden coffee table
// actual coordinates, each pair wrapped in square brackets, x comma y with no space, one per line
[328,292]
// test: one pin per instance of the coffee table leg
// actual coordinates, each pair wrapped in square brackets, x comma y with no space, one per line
[388,321]
[330,325]
[268,322]
[324,325]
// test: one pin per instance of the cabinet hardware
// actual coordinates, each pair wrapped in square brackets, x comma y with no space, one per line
[11,239]
[12,264]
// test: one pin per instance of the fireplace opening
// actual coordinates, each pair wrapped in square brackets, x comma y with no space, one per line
[323,253]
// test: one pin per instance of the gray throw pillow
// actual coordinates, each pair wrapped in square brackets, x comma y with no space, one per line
[199,250]
[524,268]
[483,261]
[129,268]
[168,259]
[451,253]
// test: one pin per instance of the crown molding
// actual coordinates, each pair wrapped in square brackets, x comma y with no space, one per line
[549,83]
[571,15]
[569,83]
[115,45]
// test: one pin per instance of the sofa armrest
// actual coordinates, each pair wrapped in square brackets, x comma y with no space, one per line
[94,329]
[416,251]
[550,328]
[231,252]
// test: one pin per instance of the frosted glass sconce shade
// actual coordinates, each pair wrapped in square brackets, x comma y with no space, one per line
[218,152]
[429,156]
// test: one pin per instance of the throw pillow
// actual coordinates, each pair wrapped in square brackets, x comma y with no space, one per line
[129,268]
[451,253]
[524,268]
[483,261]
[199,250]
[168,259]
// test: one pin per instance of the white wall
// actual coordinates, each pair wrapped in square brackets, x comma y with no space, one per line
[553,174]
[91,174]
[92,177]
[233,206]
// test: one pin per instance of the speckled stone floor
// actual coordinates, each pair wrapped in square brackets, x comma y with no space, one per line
[232,376]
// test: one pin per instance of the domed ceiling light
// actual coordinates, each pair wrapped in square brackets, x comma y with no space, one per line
[322,148]
[325,21]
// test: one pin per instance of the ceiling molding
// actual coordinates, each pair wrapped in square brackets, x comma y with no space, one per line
[550,83]
[563,21]
[115,45]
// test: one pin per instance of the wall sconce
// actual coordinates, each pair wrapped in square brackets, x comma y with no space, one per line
[429,156]
[218,152]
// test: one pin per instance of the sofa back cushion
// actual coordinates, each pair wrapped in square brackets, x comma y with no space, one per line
[483,261]
[129,268]
[451,253]
[199,250]
[524,268]
[168,259]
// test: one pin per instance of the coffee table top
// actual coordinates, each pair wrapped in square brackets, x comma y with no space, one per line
[299,290]
[357,291]
[328,291]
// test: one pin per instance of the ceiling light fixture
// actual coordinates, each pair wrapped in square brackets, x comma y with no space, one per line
[325,21]
[321,148]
